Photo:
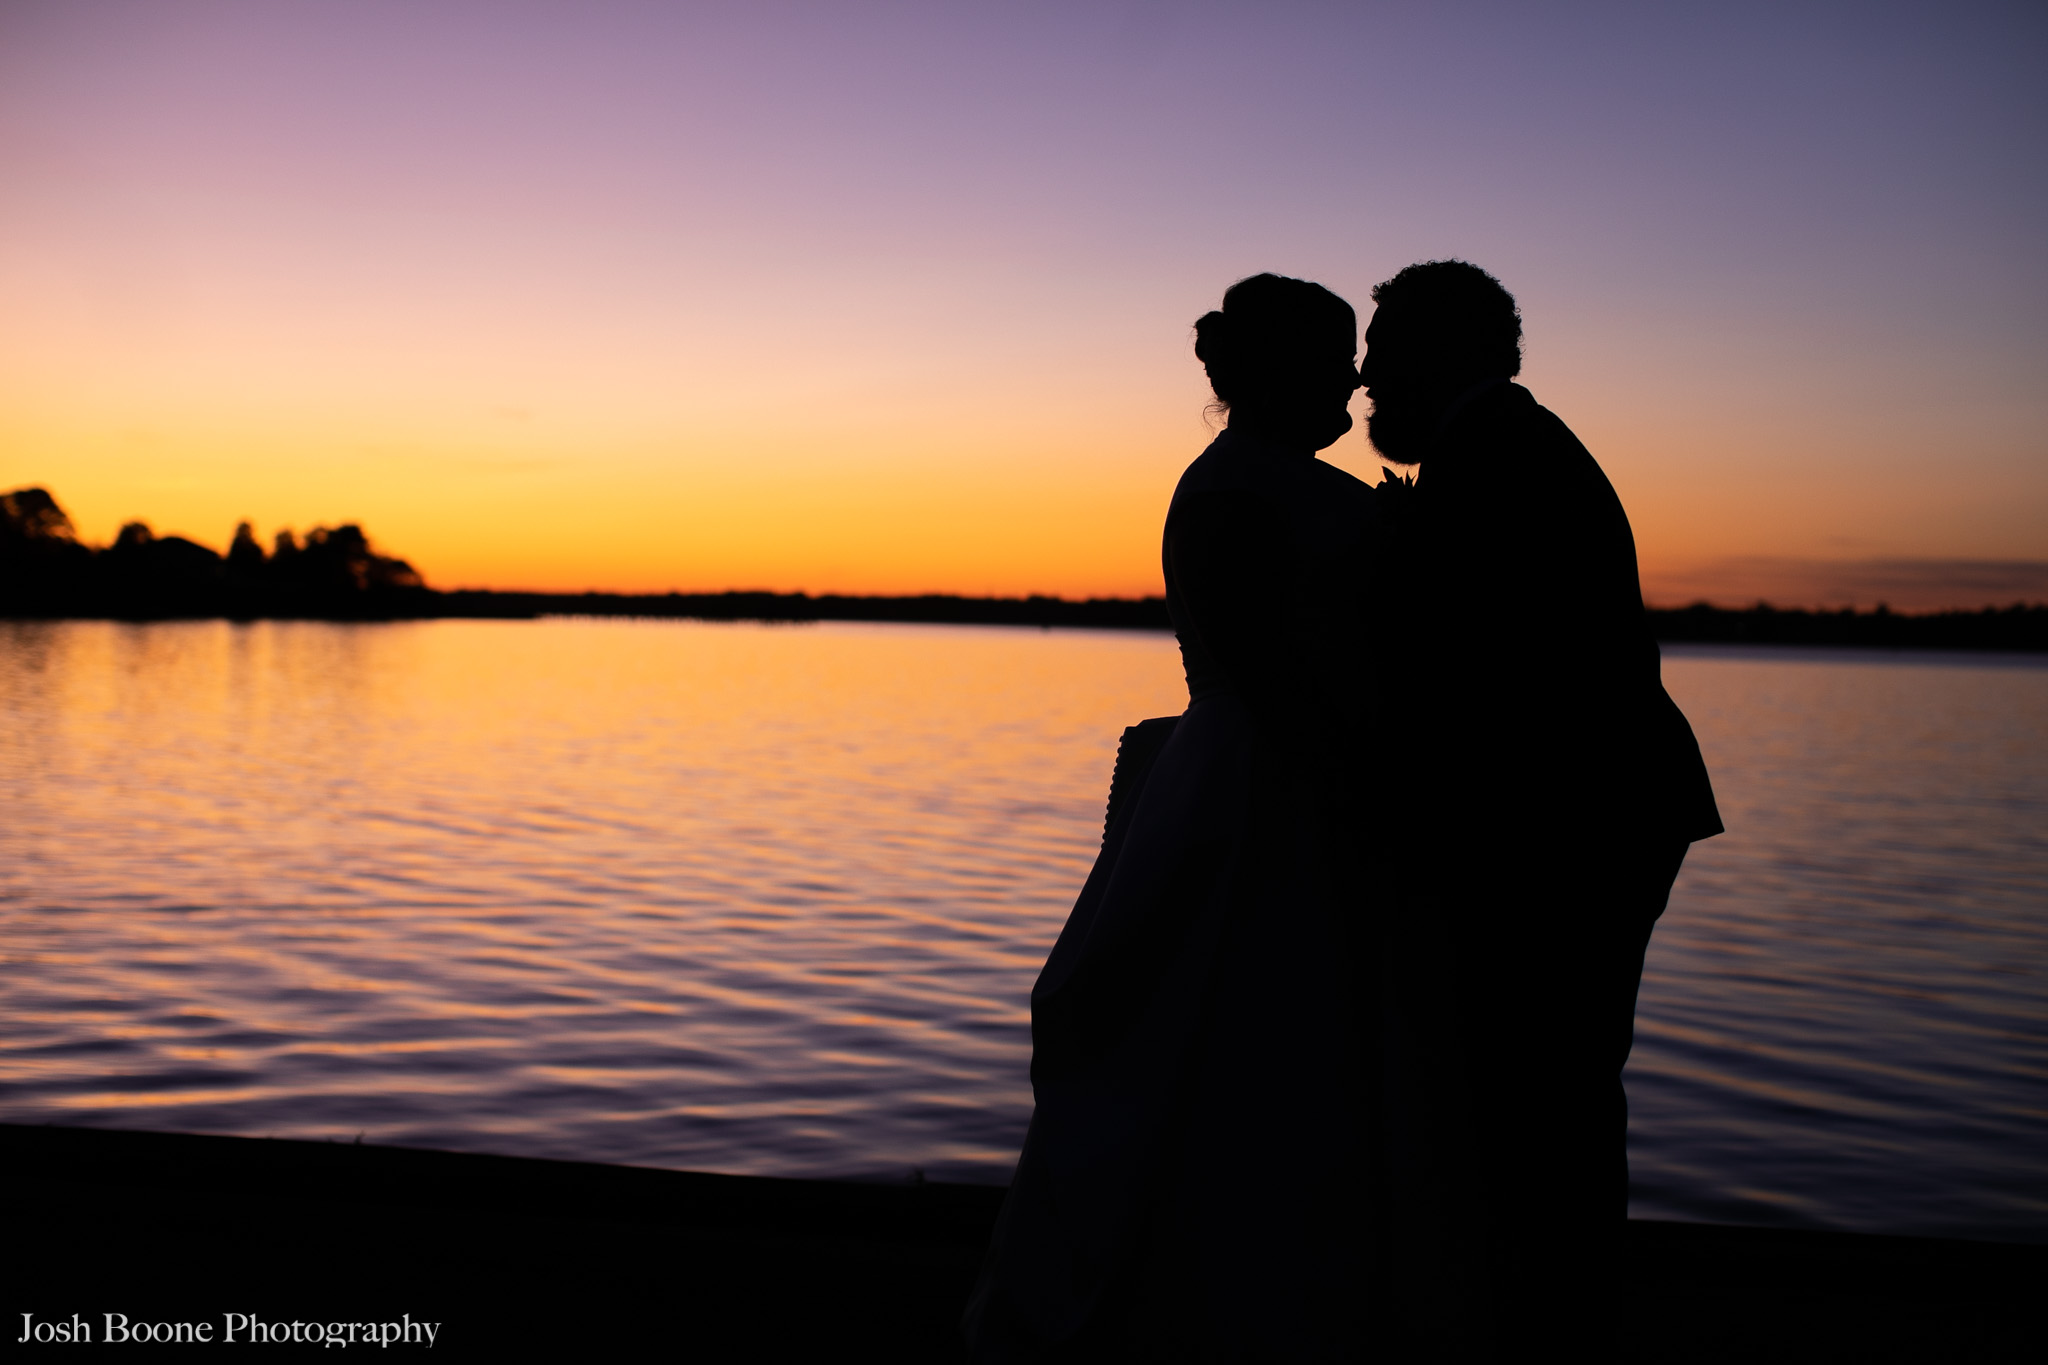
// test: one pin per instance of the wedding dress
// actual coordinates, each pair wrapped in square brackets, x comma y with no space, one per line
[1193,1184]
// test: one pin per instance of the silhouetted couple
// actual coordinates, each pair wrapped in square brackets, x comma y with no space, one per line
[1328,1057]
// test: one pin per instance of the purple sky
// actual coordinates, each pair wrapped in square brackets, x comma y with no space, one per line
[897,296]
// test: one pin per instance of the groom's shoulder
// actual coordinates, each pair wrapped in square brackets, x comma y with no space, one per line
[1571,476]
[1553,428]
[1512,411]
[1515,425]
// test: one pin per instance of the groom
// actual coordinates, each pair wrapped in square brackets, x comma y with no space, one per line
[1549,788]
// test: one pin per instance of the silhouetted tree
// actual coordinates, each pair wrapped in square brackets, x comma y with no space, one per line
[41,559]
[334,572]
[144,574]
[246,560]
[32,523]
[339,560]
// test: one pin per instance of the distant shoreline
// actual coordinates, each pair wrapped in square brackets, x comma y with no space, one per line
[2018,628]
[334,574]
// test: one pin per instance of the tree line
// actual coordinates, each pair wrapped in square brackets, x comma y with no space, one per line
[46,570]
[334,573]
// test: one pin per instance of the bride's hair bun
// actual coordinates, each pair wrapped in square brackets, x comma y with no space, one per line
[1268,326]
[1211,337]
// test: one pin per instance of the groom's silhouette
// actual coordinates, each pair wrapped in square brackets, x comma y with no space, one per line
[1551,787]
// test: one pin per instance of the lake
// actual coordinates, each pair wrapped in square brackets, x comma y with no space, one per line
[769,899]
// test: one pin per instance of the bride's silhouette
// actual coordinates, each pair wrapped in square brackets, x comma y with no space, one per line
[1186,1188]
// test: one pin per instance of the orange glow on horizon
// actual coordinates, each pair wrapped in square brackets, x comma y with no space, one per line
[643,298]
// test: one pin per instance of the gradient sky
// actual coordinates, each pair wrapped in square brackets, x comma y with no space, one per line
[898,297]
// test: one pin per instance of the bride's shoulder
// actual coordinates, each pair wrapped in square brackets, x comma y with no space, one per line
[1223,464]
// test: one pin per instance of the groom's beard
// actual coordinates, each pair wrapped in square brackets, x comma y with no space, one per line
[1398,430]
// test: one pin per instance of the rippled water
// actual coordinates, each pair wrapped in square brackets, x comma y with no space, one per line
[1844,1018]
[769,899]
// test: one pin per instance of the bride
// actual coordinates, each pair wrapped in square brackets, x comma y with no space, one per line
[1192,1185]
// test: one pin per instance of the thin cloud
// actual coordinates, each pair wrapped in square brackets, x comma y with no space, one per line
[1906,584]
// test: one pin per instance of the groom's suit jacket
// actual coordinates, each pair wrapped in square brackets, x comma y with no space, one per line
[1532,671]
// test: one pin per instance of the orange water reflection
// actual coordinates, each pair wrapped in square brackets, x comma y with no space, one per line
[735,897]
[769,899]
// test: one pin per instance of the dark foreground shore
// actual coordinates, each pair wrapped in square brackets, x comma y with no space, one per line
[519,1258]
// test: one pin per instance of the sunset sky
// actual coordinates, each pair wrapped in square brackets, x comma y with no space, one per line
[897,297]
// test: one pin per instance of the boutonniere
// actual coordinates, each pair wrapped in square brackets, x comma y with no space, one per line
[1394,503]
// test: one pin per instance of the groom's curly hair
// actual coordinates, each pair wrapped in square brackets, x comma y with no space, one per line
[1269,324]
[1466,312]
